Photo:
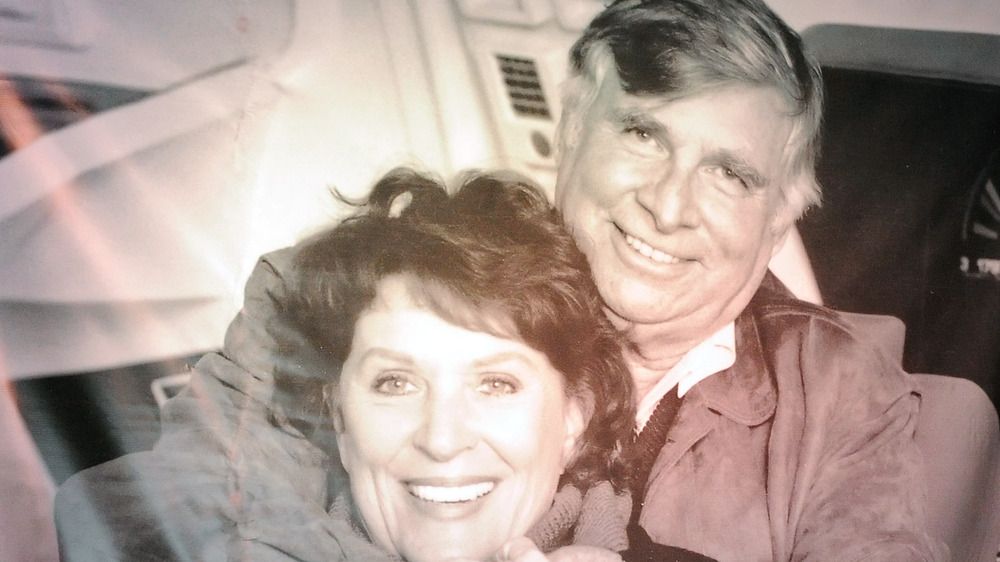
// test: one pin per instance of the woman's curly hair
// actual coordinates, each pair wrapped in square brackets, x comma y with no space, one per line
[494,257]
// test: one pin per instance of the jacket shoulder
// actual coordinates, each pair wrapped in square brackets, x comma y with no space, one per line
[778,312]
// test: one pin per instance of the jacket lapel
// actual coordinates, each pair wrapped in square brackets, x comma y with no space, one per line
[745,393]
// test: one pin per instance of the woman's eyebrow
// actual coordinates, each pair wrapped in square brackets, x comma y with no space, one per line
[386,353]
[502,357]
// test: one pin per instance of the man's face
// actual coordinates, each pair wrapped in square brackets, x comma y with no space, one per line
[674,202]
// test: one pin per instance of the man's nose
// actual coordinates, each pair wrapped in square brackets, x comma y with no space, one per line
[671,199]
[447,429]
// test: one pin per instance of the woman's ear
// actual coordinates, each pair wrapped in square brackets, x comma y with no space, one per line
[332,402]
[331,398]
[579,410]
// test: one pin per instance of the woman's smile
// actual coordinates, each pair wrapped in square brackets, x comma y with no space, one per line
[454,439]
[450,494]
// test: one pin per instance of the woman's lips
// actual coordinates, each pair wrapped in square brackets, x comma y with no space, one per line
[451,494]
[450,499]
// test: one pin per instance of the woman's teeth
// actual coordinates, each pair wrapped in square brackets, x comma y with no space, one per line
[452,494]
[649,251]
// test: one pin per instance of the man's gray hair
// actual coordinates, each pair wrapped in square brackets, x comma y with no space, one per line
[676,48]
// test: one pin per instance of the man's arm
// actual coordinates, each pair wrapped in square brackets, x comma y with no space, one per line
[861,492]
[226,480]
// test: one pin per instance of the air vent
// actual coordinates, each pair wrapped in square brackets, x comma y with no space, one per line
[524,89]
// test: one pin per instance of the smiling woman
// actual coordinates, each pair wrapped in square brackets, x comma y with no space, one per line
[446,387]
[470,368]
[448,434]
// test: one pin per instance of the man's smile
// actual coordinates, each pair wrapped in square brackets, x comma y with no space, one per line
[649,251]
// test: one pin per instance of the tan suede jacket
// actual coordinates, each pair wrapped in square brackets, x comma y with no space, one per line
[803,450]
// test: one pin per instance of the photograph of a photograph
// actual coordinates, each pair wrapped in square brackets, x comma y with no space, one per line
[499,280]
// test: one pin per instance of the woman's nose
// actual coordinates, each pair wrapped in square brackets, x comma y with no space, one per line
[447,429]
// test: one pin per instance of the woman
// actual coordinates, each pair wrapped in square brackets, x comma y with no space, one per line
[471,371]
[432,379]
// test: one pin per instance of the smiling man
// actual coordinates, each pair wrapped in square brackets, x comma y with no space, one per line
[769,428]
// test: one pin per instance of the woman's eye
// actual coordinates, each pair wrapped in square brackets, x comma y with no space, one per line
[499,386]
[393,385]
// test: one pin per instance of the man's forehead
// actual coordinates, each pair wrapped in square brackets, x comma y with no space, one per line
[737,126]
[728,107]
[617,101]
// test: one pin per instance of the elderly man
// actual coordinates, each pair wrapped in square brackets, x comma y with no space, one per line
[769,429]
[688,139]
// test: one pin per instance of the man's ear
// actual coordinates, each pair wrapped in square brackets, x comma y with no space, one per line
[781,232]
[798,193]
[782,222]
[579,410]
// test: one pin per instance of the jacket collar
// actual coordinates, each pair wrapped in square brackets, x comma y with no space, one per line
[746,392]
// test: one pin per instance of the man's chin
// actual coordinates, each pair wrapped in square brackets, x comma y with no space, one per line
[636,314]
[634,302]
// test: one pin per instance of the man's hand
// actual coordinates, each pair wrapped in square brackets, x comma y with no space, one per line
[522,549]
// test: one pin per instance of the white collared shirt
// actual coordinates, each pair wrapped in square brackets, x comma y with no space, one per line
[715,354]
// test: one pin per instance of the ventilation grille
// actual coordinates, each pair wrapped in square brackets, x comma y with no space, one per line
[524,89]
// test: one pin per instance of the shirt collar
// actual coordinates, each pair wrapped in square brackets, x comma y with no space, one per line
[746,392]
[714,354]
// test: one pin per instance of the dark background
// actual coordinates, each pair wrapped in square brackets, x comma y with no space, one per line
[903,162]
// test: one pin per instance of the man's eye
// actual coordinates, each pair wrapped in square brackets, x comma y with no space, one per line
[734,177]
[733,181]
[393,385]
[641,133]
[642,140]
[498,385]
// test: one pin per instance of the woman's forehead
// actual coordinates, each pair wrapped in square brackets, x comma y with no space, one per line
[407,290]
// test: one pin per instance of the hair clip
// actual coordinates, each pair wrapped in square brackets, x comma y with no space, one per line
[399,204]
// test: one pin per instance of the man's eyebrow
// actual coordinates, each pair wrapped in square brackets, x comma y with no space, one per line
[628,117]
[742,168]
[631,117]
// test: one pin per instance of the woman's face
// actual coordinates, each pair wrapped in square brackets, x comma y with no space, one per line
[454,440]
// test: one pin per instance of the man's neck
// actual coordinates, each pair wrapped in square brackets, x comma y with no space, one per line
[655,349]
[647,370]
[654,354]
[713,355]
[644,379]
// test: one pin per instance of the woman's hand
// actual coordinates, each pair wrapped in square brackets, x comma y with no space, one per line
[522,549]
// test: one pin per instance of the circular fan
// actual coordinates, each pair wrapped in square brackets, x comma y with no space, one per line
[981,230]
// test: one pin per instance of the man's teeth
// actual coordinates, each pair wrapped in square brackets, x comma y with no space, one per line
[649,251]
[452,494]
